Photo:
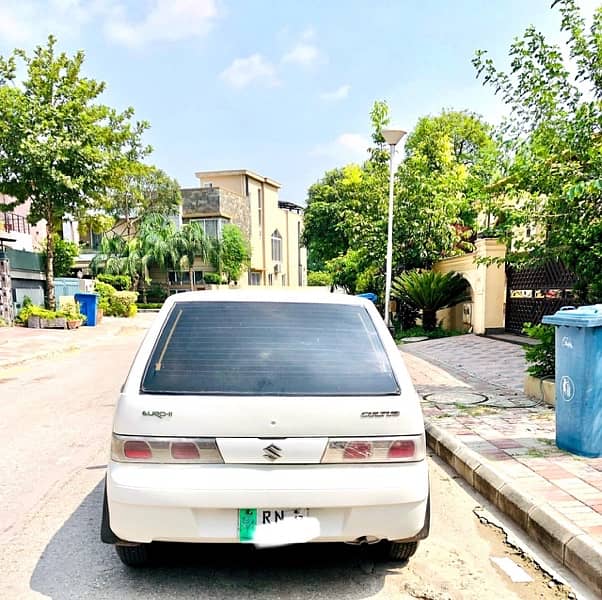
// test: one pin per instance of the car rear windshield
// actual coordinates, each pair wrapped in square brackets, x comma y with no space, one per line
[269,348]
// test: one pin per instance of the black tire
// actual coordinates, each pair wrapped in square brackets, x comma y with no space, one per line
[401,551]
[134,556]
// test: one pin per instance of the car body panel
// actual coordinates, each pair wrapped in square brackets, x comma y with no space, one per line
[200,502]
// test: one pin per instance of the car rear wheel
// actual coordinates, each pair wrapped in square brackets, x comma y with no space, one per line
[134,556]
[400,551]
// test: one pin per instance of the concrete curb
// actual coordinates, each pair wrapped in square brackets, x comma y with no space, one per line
[570,545]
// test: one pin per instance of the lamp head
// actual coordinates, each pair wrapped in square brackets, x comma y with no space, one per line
[392,136]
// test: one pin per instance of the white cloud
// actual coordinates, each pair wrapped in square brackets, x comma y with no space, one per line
[168,20]
[244,71]
[30,21]
[302,54]
[345,148]
[339,94]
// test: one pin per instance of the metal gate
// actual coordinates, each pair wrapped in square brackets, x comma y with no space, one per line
[535,292]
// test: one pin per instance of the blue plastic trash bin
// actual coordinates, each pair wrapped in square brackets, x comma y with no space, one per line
[578,379]
[88,305]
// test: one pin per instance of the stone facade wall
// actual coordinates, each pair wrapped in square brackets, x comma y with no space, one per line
[217,202]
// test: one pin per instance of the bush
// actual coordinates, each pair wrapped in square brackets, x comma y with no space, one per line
[119,282]
[156,293]
[541,359]
[123,304]
[106,292]
[436,333]
[319,278]
[32,310]
[149,305]
[212,278]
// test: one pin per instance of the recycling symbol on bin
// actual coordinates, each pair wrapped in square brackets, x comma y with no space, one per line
[567,388]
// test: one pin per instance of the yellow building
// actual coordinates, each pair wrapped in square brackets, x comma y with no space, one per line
[251,202]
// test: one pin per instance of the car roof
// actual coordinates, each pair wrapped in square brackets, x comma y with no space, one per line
[305,295]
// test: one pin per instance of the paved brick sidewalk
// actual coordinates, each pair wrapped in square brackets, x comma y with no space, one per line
[472,389]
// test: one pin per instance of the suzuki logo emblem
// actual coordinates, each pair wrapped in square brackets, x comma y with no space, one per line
[272,452]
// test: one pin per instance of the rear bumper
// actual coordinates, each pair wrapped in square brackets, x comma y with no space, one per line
[199,503]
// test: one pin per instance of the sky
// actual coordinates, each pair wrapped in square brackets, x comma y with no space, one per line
[280,87]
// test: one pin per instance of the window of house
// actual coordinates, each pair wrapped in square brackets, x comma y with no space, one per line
[270,279]
[254,278]
[276,246]
[212,227]
[283,280]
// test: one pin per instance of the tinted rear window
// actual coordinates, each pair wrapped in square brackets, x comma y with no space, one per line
[268,348]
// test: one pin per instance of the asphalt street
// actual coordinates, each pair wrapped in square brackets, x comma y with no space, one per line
[54,440]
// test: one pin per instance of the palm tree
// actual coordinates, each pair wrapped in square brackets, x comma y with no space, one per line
[429,292]
[190,242]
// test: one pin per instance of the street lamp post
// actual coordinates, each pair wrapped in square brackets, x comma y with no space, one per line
[392,137]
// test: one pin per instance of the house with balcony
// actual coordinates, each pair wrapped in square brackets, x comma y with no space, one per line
[272,226]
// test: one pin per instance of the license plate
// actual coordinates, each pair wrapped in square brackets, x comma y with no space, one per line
[251,518]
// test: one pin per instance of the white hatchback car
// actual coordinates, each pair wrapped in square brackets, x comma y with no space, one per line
[267,418]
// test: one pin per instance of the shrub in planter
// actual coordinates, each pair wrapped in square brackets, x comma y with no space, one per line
[541,359]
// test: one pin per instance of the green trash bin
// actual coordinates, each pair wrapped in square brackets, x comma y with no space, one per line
[578,345]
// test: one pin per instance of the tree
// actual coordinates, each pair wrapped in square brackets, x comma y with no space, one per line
[191,243]
[429,292]
[323,232]
[233,253]
[65,254]
[441,187]
[59,147]
[146,190]
[553,145]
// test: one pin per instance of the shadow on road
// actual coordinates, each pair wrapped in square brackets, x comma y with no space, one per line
[76,564]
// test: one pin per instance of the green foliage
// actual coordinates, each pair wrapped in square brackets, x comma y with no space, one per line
[433,334]
[344,270]
[552,143]
[60,148]
[32,310]
[65,254]
[430,291]
[319,278]
[234,253]
[156,293]
[119,282]
[26,302]
[149,305]
[212,278]
[541,358]
[3,323]
[440,187]
[106,293]
[123,304]
[144,190]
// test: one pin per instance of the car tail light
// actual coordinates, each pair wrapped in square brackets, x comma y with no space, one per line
[375,450]
[136,449]
[359,450]
[126,448]
[184,450]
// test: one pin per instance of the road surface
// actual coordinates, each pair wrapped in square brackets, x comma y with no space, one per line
[54,436]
